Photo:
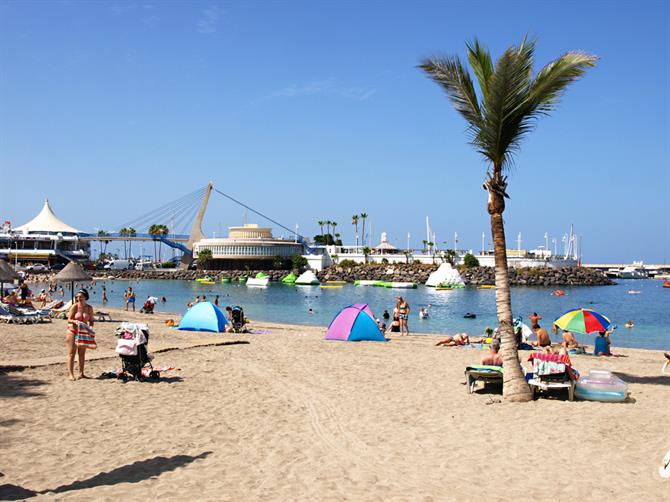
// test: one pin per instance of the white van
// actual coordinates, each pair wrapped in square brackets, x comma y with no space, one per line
[118,265]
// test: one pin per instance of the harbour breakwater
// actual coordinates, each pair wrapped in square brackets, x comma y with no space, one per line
[414,272]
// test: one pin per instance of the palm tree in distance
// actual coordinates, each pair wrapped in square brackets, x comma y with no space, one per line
[131,233]
[124,233]
[154,231]
[354,221]
[163,231]
[103,233]
[363,217]
[334,225]
[510,100]
[321,224]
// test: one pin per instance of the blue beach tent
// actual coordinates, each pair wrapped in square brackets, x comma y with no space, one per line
[203,316]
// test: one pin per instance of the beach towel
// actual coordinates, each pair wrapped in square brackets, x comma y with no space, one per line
[551,364]
[84,336]
[145,371]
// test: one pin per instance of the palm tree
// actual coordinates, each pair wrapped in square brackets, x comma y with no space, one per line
[102,233]
[366,252]
[354,221]
[363,216]
[124,233]
[131,233]
[163,230]
[321,224]
[334,225]
[154,231]
[510,100]
[450,256]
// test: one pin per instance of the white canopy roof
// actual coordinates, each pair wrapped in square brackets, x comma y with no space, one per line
[46,221]
[384,245]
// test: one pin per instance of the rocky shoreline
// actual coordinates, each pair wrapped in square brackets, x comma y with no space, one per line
[418,273]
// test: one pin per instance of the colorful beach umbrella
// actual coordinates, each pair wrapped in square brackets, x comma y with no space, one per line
[583,321]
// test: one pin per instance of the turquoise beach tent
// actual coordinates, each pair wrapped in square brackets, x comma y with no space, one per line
[203,316]
[354,323]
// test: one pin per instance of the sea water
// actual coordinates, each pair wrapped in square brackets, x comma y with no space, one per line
[311,305]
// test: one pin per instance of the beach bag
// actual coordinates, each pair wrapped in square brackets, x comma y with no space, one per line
[126,347]
[85,337]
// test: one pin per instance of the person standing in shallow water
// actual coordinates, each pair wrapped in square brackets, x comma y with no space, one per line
[129,295]
[403,314]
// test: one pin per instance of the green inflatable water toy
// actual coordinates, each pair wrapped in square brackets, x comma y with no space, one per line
[289,279]
[260,275]
[242,279]
[226,280]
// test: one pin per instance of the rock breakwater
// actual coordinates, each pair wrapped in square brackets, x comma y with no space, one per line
[414,272]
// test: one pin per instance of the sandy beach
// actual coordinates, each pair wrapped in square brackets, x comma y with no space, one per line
[282,414]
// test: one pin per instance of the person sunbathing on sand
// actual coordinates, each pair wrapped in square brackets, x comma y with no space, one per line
[543,339]
[452,341]
[493,358]
[569,340]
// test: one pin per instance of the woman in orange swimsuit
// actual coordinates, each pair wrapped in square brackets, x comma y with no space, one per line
[79,312]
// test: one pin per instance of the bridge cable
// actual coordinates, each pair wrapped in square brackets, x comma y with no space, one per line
[167,209]
[259,213]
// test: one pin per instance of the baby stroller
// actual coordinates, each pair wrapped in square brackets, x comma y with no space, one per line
[132,348]
[148,307]
[238,320]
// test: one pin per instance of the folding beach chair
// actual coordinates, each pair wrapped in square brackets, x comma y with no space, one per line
[552,372]
[482,373]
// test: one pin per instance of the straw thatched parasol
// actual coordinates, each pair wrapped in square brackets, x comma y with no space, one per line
[71,273]
[7,274]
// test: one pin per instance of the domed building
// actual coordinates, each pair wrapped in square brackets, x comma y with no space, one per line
[248,246]
[44,239]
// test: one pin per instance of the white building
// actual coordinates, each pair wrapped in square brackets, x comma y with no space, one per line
[249,245]
[44,239]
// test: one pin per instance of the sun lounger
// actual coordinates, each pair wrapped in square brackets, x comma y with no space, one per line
[102,316]
[482,373]
[29,312]
[15,316]
[52,305]
[61,313]
[552,372]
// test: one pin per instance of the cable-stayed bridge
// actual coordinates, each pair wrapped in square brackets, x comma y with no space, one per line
[182,213]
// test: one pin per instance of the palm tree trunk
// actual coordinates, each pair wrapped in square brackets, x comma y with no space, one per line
[515,387]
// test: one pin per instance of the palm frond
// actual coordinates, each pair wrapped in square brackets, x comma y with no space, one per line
[552,80]
[481,64]
[450,74]
[512,100]
[504,120]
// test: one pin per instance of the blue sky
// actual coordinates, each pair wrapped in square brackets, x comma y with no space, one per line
[316,110]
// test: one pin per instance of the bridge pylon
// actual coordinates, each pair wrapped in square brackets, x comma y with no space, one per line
[196,230]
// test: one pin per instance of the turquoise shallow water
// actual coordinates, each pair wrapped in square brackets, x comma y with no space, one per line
[650,310]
